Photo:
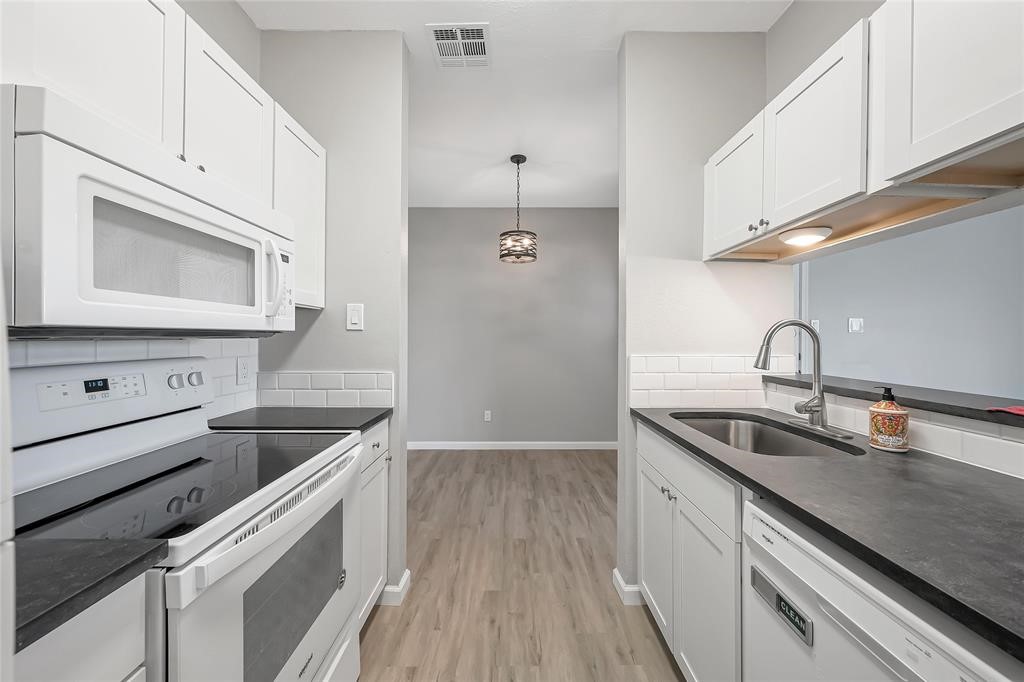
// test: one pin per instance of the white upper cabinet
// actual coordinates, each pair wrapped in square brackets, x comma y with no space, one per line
[733,185]
[229,119]
[300,191]
[815,134]
[954,78]
[124,61]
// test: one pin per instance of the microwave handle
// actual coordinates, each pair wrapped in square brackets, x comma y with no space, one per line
[270,248]
[210,568]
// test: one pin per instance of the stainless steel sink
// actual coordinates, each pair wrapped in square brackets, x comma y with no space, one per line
[763,436]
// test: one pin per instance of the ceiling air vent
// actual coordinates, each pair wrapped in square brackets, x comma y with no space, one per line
[459,45]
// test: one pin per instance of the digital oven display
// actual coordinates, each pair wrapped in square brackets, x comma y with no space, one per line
[97,385]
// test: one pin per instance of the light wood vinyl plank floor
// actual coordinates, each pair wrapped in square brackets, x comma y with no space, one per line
[511,554]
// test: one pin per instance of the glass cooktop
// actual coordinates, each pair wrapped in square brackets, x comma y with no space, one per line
[165,493]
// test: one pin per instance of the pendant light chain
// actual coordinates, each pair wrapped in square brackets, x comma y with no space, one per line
[518,245]
[518,166]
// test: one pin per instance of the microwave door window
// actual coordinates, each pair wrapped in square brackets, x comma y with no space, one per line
[139,253]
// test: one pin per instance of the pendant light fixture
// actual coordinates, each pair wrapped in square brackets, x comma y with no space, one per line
[517,246]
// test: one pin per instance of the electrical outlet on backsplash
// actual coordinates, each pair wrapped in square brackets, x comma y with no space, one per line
[352,388]
[224,356]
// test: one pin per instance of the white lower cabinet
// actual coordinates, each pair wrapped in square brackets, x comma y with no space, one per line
[689,566]
[655,546]
[707,597]
[104,642]
[373,496]
[342,663]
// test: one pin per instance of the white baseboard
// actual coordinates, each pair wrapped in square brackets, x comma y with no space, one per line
[512,445]
[629,594]
[394,595]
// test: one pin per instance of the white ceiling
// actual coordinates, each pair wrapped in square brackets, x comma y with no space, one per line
[550,92]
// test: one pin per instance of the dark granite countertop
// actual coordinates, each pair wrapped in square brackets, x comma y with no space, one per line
[949,532]
[55,580]
[302,419]
[969,405]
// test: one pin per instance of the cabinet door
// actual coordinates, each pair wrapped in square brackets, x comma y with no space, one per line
[124,61]
[733,182]
[655,514]
[374,533]
[229,119]
[954,78]
[815,133]
[300,192]
[707,607]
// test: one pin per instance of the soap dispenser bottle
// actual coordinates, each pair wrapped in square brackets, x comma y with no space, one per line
[889,424]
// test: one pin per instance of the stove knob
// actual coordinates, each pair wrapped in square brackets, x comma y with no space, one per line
[196,495]
[195,379]
[176,504]
[176,381]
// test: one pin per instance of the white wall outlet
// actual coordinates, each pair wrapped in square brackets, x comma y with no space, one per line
[354,317]
[487,415]
[855,325]
[242,372]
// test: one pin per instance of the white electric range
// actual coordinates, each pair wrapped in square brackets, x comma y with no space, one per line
[262,528]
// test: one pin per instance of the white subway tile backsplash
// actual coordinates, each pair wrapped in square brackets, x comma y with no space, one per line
[343,398]
[961,423]
[310,398]
[726,364]
[694,363]
[17,352]
[1013,433]
[648,381]
[638,363]
[266,380]
[665,398]
[374,398]
[60,352]
[385,380]
[994,453]
[113,350]
[937,439]
[361,381]
[755,398]
[747,382]
[292,380]
[785,364]
[224,367]
[662,363]
[275,397]
[712,381]
[235,346]
[684,382]
[639,398]
[696,399]
[327,380]
[208,348]
[730,399]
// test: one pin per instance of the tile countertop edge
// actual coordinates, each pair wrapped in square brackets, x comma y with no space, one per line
[36,626]
[994,632]
[967,405]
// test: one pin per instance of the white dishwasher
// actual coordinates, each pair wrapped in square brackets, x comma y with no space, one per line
[812,611]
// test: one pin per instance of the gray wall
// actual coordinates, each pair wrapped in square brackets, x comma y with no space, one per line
[803,32]
[941,308]
[231,28]
[536,343]
[681,96]
[349,89]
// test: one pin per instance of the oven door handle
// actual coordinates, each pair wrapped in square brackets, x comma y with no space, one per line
[274,523]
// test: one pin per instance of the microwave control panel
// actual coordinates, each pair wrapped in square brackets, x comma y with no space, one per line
[55,395]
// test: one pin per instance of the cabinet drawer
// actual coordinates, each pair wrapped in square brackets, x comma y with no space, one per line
[375,443]
[710,492]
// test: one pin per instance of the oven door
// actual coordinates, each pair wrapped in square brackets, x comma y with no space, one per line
[268,601]
[98,246]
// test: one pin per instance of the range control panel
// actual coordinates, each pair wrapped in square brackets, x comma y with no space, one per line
[73,399]
[55,395]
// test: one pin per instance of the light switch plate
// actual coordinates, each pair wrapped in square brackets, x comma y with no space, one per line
[855,325]
[354,317]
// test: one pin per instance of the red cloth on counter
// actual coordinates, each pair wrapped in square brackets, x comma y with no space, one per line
[1016,409]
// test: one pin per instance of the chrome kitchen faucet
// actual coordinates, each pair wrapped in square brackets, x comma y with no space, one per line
[813,407]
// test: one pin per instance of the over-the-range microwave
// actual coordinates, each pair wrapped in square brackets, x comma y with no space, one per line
[105,235]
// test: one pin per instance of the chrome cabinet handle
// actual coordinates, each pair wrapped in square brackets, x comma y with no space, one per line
[672,497]
[388,458]
[751,227]
[664,490]
[181,157]
[376,445]
[763,222]
[200,167]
